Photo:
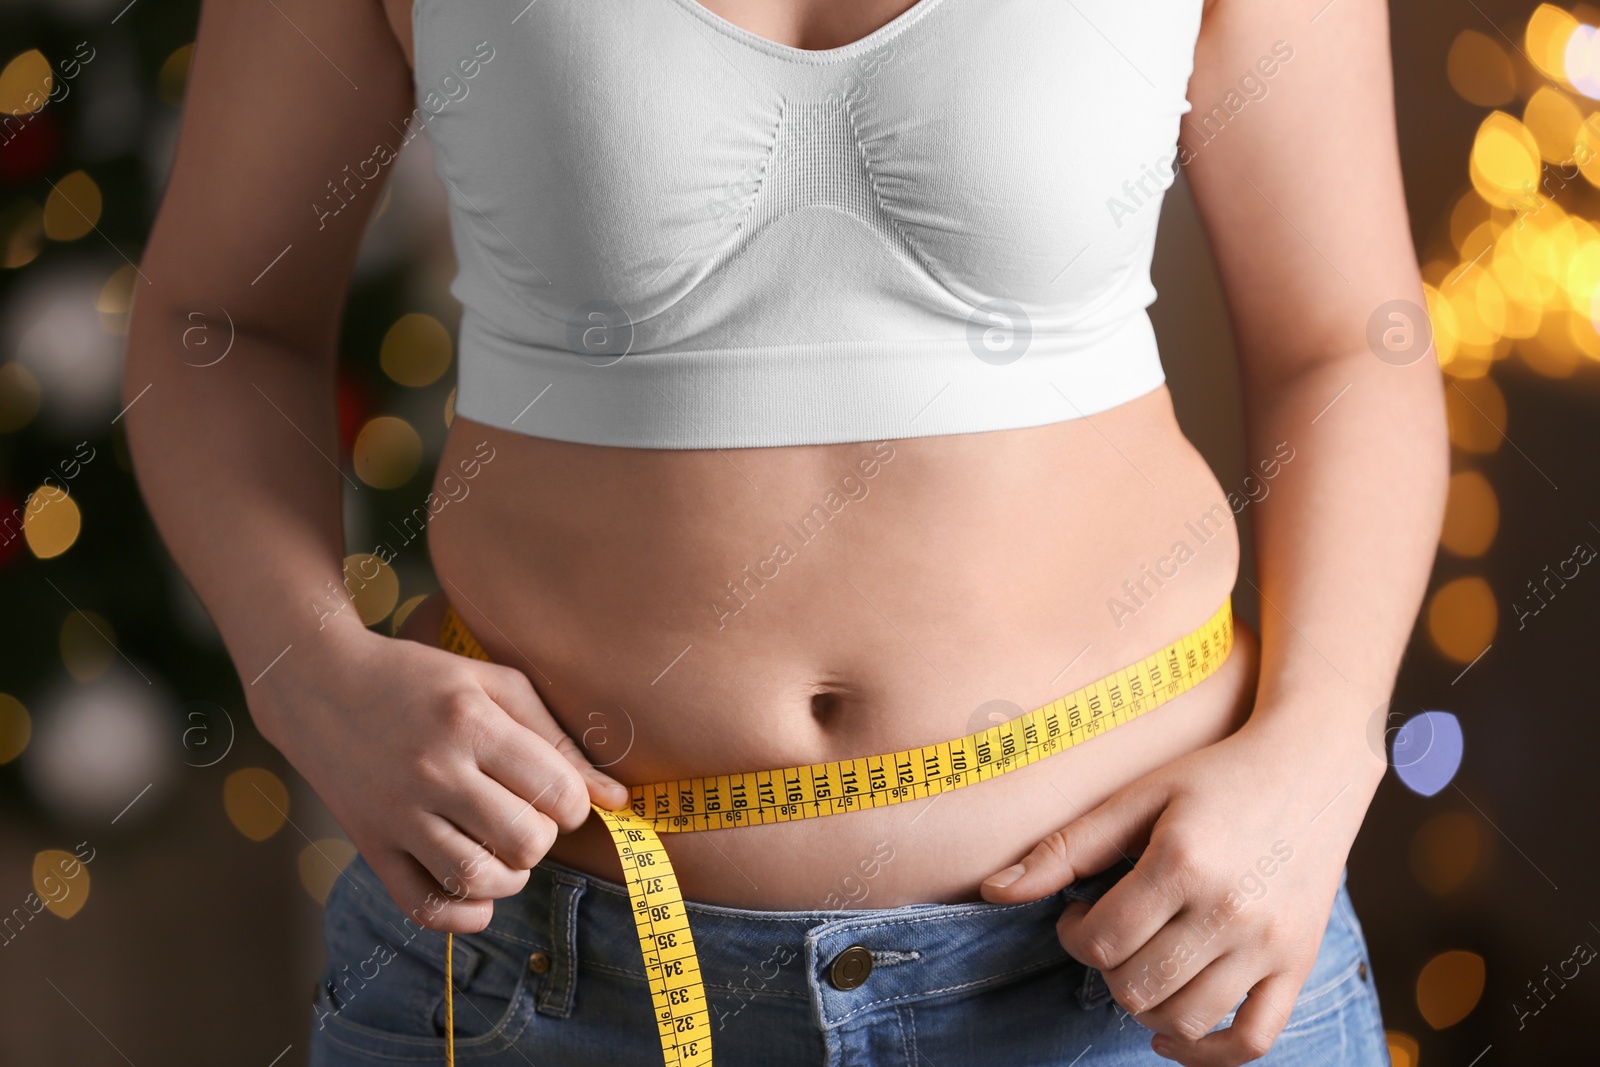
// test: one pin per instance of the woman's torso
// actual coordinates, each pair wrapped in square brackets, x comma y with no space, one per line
[685,612]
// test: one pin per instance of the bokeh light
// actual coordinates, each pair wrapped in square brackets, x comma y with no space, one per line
[102,746]
[1549,30]
[1504,165]
[403,612]
[173,77]
[373,586]
[387,452]
[1480,71]
[1427,751]
[321,863]
[25,83]
[21,233]
[1476,410]
[1403,1049]
[1471,515]
[1449,988]
[416,350]
[51,521]
[61,882]
[1462,616]
[88,645]
[116,300]
[15,728]
[72,208]
[257,802]
[1445,852]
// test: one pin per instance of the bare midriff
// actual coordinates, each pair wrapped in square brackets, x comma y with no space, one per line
[690,613]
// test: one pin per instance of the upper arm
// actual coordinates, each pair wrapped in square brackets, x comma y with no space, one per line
[1295,171]
[286,104]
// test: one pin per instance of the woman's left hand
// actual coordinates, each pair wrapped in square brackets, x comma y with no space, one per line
[1243,844]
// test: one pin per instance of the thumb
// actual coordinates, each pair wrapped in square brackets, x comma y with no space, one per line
[1086,845]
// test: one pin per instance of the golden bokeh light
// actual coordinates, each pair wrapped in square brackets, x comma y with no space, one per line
[61,882]
[321,863]
[1470,212]
[73,207]
[19,397]
[21,233]
[1505,162]
[1476,410]
[372,585]
[174,75]
[88,645]
[1445,852]
[1480,71]
[1471,515]
[1403,1049]
[1554,120]
[450,409]
[416,350]
[15,728]
[403,612]
[25,83]
[387,452]
[51,522]
[1442,318]
[1549,30]
[1462,618]
[115,300]
[1449,987]
[257,802]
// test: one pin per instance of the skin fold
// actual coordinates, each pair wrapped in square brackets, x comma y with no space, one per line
[968,575]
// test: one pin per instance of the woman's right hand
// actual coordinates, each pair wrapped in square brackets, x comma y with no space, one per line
[449,774]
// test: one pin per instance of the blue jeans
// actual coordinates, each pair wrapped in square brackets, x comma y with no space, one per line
[557,981]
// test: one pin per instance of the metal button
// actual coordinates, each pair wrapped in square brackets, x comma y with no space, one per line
[850,967]
[538,963]
[1362,970]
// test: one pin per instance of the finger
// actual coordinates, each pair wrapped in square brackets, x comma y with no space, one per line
[1135,935]
[1210,991]
[463,868]
[510,828]
[1153,926]
[1089,843]
[1260,1020]
[416,894]
[520,761]
[511,690]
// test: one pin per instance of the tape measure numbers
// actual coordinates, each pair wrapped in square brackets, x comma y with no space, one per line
[756,798]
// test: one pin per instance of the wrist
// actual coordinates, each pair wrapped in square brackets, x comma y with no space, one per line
[1324,739]
[308,658]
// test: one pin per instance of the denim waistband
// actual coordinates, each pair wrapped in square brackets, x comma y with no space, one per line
[918,951]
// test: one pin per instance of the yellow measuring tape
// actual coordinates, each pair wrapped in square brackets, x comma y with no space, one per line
[756,798]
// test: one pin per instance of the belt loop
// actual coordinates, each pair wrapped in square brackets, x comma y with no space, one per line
[557,995]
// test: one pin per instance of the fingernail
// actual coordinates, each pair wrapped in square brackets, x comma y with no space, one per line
[1006,877]
[613,790]
[1161,1048]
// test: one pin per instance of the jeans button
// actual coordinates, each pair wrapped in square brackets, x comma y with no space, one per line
[850,967]
[539,963]
[1362,970]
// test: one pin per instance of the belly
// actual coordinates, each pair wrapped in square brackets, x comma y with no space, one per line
[690,613]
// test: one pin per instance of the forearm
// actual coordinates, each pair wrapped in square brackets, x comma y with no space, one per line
[236,461]
[1345,539]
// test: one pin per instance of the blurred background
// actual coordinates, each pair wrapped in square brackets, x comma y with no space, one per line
[155,907]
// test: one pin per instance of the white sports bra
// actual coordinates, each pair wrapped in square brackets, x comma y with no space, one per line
[674,233]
